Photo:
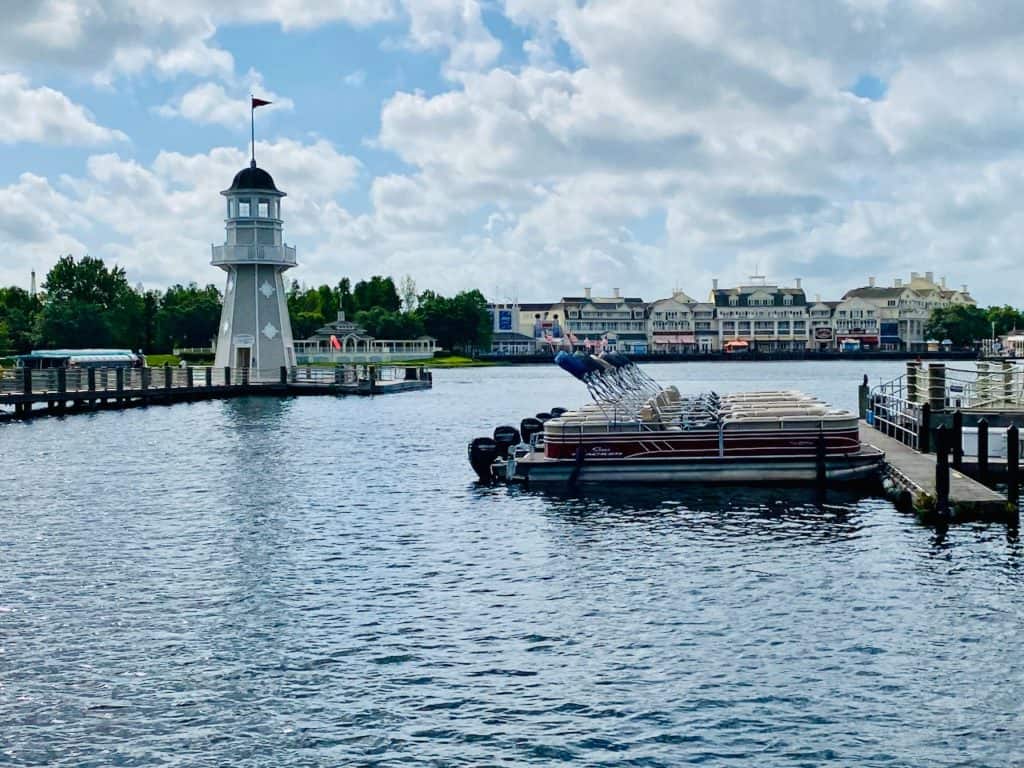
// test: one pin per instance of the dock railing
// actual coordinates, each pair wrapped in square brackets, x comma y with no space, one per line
[992,385]
[895,411]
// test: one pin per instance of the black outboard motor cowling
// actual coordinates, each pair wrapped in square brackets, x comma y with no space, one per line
[544,416]
[505,437]
[482,453]
[558,411]
[529,427]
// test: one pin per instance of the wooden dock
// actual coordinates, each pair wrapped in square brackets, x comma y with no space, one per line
[77,390]
[915,473]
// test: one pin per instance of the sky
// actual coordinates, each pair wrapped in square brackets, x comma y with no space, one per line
[528,148]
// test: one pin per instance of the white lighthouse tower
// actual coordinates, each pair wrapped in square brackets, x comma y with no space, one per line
[255,330]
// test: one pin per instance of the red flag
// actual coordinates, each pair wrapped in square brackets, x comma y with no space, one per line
[334,342]
[259,102]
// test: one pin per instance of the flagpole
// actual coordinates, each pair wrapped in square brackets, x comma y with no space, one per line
[252,127]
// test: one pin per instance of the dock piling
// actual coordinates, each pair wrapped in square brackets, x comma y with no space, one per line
[862,397]
[957,438]
[821,469]
[942,471]
[1013,465]
[983,450]
[924,429]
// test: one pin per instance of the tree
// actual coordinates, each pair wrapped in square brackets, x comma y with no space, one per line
[188,316]
[376,292]
[407,288]
[960,323]
[18,313]
[88,305]
[1006,319]
[462,322]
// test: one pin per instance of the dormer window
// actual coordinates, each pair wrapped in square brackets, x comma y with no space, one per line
[734,301]
[787,300]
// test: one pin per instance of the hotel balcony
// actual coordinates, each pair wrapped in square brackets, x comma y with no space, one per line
[281,255]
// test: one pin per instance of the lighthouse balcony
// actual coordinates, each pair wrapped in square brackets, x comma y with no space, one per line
[253,254]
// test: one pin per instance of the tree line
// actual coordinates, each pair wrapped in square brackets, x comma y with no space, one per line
[966,325]
[83,303]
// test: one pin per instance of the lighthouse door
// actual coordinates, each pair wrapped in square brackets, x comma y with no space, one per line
[244,355]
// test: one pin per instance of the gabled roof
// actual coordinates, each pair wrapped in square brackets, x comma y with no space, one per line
[874,292]
[722,296]
[340,329]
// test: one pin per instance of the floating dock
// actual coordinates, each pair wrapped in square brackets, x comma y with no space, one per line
[915,473]
[63,390]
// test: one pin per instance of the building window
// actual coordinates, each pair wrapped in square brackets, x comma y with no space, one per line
[243,209]
[734,301]
[787,300]
[263,209]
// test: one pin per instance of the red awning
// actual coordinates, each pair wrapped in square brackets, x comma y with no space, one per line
[674,338]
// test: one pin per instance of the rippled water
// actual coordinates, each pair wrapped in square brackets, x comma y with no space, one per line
[319,582]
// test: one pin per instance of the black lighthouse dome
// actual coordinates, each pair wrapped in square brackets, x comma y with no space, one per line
[253,178]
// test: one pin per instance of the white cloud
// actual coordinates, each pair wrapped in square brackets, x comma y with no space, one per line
[356,78]
[46,116]
[158,220]
[454,25]
[209,103]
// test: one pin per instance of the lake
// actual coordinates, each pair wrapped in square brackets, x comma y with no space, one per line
[320,582]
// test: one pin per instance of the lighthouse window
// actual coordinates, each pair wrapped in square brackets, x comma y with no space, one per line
[243,208]
[263,210]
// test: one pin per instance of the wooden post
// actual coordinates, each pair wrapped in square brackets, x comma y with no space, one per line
[227,375]
[942,471]
[119,379]
[924,434]
[284,374]
[912,370]
[862,397]
[208,377]
[371,374]
[1013,465]
[144,378]
[957,439]
[62,380]
[339,375]
[983,450]
[190,377]
[26,380]
[168,376]
[91,376]
[937,386]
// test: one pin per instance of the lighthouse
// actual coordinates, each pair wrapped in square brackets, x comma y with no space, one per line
[255,331]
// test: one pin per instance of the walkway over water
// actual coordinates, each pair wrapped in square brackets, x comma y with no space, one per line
[915,472]
[61,389]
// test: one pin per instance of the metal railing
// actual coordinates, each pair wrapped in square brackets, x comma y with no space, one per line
[892,412]
[265,254]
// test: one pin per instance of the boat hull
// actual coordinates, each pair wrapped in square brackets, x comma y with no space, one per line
[798,470]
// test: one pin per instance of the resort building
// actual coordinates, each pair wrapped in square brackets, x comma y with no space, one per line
[507,338]
[901,311]
[768,318]
[821,330]
[681,325]
[615,323]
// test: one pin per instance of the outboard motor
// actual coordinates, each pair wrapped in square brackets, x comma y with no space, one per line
[529,427]
[482,453]
[557,411]
[505,437]
[544,416]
